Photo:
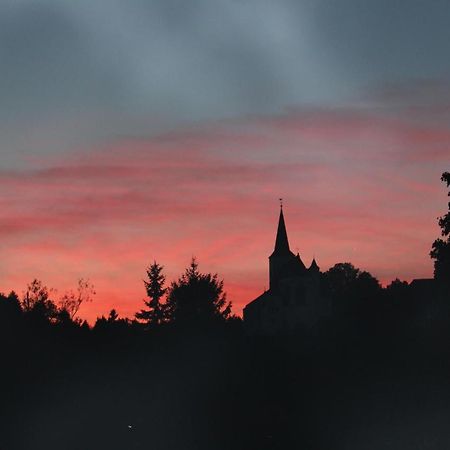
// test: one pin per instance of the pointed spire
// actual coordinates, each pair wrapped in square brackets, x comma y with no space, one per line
[301,265]
[314,265]
[281,242]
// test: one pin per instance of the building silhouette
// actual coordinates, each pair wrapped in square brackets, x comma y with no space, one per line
[294,299]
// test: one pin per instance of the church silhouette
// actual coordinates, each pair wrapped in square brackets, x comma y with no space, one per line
[294,299]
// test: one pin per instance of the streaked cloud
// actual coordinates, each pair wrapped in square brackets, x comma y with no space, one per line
[357,186]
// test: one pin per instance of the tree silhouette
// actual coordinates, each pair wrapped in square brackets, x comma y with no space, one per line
[397,288]
[155,312]
[113,327]
[10,313]
[197,297]
[340,277]
[37,303]
[440,251]
[398,297]
[350,288]
[71,301]
[366,286]
[10,305]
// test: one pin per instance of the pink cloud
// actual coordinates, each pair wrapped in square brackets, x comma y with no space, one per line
[357,187]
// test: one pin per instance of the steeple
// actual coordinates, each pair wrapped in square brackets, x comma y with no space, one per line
[281,241]
[282,262]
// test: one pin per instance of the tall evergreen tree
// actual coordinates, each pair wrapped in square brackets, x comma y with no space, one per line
[197,297]
[440,250]
[155,312]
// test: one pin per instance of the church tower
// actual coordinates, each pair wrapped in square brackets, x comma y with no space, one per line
[294,300]
[282,262]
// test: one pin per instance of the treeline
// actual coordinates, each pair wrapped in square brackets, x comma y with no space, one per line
[196,301]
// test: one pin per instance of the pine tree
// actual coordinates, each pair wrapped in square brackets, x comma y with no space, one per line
[155,312]
[197,297]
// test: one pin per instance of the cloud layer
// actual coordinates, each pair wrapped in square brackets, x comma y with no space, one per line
[76,73]
[164,129]
[358,187]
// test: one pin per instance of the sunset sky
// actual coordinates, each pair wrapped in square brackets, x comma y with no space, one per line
[133,131]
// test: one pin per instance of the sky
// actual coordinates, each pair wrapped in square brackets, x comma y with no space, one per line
[161,130]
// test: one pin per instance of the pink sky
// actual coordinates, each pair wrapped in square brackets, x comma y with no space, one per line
[357,187]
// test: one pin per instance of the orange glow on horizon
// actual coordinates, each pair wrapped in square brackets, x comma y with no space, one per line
[356,188]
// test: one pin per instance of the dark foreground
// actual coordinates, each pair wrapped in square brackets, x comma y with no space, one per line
[359,389]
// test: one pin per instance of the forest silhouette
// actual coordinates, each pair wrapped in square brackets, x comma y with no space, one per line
[185,373]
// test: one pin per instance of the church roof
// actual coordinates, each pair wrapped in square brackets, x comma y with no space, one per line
[258,300]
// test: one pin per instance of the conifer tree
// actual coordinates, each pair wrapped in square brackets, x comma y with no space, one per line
[155,312]
[197,297]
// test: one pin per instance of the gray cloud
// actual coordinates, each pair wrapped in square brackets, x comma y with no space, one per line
[74,72]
